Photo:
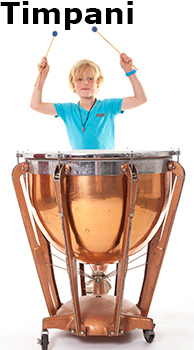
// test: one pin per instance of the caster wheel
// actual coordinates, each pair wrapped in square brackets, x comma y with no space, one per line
[149,335]
[44,340]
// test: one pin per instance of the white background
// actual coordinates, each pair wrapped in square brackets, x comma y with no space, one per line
[161,44]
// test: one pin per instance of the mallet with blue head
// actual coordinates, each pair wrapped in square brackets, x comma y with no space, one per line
[54,34]
[95,30]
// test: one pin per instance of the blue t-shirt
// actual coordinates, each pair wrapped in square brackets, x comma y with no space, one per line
[99,129]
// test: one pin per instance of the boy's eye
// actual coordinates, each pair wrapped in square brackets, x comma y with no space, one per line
[80,79]
[91,78]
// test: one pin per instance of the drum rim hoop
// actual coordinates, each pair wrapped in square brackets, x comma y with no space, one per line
[98,155]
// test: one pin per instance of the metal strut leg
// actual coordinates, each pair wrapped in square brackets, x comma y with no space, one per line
[158,244]
[132,185]
[45,272]
[61,194]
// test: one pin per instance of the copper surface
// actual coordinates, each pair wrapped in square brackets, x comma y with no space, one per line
[106,197]
[95,207]
[98,315]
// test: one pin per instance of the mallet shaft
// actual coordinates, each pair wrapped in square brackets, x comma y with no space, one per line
[114,47]
[108,42]
[50,46]
[45,56]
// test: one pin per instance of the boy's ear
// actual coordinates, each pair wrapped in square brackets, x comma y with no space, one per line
[98,87]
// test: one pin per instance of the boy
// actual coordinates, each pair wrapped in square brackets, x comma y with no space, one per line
[90,123]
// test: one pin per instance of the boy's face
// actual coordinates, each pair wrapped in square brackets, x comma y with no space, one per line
[86,86]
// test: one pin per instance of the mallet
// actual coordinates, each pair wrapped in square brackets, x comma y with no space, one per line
[95,30]
[54,35]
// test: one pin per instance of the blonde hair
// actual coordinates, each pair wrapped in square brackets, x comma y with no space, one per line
[80,67]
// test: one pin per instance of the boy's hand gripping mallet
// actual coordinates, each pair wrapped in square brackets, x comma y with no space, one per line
[54,35]
[95,30]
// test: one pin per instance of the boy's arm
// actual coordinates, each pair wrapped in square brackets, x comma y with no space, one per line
[139,94]
[36,99]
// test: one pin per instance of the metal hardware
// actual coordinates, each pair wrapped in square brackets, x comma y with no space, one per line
[108,163]
[178,155]
[59,156]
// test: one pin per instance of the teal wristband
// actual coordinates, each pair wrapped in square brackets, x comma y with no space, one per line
[131,73]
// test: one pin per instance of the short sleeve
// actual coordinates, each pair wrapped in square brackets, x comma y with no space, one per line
[60,110]
[114,105]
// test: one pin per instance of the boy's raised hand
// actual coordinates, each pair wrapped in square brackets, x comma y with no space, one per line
[43,67]
[126,62]
[36,100]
